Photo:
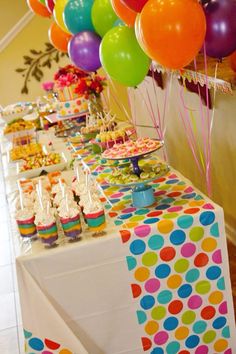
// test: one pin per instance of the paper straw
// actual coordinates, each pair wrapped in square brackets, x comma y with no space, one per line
[21,199]
[90,198]
[48,207]
[39,197]
[67,205]
[40,188]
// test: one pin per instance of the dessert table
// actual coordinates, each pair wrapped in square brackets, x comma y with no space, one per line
[158,281]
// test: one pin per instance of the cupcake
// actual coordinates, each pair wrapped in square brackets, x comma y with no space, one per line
[95,216]
[70,221]
[46,227]
[26,223]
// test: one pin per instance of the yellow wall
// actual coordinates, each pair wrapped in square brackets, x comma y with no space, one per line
[33,36]
[11,12]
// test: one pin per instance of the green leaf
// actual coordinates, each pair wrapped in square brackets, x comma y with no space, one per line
[25,90]
[49,47]
[35,52]
[20,70]
[57,58]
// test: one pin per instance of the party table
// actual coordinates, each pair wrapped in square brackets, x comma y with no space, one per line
[157,282]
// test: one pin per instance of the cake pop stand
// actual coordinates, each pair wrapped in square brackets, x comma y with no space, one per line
[142,193]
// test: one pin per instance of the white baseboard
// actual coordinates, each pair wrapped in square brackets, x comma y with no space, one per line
[230,233]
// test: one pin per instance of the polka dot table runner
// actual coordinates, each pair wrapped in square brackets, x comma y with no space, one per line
[175,258]
[174,254]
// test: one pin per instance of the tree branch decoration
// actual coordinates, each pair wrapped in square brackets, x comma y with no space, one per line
[35,62]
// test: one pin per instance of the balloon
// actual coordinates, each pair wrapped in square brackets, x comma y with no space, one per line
[138,34]
[42,2]
[118,23]
[135,5]
[84,50]
[77,16]
[124,12]
[102,9]
[232,60]
[38,8]
[58,14]
[221,28]
[58,38]
[122,58]
[173,31]
[50,5]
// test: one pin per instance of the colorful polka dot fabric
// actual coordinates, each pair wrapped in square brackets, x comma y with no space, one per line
[35,345]
[174,253]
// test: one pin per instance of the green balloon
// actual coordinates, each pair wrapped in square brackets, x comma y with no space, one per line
[103,16]
[122,57]
[43,2]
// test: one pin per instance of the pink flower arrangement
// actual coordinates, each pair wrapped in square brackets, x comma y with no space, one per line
[68,75]
[48,85]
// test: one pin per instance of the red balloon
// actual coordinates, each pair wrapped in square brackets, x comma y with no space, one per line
[232,60]
[38,8]
[135,5]
[50,5]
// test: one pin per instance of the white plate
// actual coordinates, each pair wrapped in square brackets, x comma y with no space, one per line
[19,134]
[37,171]
[11,116]
[44,149]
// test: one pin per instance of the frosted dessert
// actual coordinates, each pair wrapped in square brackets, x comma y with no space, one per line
[46,226]
[131,148]
[25,219]
[95,216]
[70,221]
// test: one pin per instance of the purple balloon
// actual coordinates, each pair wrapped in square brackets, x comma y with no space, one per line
[220,38]
[83,50]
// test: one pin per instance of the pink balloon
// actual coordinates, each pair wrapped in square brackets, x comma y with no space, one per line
[50,5]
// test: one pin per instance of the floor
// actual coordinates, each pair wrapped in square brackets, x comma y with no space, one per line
[11,332]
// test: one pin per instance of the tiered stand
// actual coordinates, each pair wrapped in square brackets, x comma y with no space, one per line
[142,193]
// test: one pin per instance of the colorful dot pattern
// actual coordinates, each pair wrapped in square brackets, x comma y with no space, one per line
[34,344]
[176,263]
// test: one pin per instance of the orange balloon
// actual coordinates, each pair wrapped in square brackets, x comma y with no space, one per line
[173,31]
[38,8]
[124,12]
[138,34]
[58,38]
[232,60]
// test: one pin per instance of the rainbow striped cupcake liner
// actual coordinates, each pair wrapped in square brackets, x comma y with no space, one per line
[71,226]
[48,233]
[96,221]
[27,228]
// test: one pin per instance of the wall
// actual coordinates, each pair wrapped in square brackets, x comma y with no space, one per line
[11,12]
[179,153]
[33,36]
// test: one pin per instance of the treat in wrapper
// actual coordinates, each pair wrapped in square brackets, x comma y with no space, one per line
[26,223]
[70,221]
[46,226]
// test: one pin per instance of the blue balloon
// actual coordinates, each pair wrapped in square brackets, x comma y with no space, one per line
[77,16]
[118,23]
